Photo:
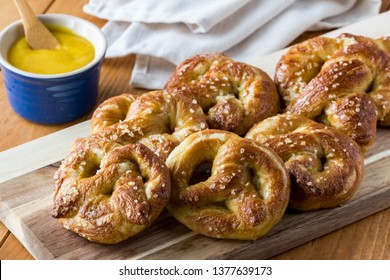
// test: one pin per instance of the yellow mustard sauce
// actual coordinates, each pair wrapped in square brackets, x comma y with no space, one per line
[74,52]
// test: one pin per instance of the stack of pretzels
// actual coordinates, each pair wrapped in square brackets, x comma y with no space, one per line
[225,148]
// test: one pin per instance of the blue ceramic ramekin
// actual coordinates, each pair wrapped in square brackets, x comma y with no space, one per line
[53,98]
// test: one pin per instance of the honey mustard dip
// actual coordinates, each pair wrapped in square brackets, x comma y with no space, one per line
[73,52]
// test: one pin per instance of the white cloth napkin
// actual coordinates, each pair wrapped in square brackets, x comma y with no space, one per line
[164,33]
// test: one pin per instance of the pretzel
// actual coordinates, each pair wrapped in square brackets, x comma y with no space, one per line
[382,42]
[111,111]
[106,192]
[234,95]
[244,197]
[158,119]
[325,165]
[342,82]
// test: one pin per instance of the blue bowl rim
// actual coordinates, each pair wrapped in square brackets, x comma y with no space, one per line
[98,56]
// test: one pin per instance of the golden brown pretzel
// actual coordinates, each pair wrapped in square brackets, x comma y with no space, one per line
[342,82]
[382,42]
[111,111]
[106,192]
[158,119]
[234,95]
[244,197]
[325,165]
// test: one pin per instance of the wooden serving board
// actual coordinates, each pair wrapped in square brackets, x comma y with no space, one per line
[26,189]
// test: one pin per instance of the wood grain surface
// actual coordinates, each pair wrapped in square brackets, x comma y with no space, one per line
[366,239]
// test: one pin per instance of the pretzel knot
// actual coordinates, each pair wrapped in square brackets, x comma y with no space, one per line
[234,95]
[325,165]
[158,119]
[245,195]
[342,82]
[106,192]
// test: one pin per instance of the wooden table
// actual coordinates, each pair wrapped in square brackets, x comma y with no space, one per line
[366,239]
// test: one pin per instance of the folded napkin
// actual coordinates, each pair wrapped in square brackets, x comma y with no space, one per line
[164,33]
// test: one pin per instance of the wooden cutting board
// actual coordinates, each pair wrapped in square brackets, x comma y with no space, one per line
[26,186]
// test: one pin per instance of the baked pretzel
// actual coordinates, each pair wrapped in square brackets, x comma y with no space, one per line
[158,119]
[325,165]
[244,197]
[111,111]
[382,42]
[342,82]
[106,192]
[234,95]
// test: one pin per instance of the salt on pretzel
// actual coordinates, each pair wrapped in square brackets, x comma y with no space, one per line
[234,95]
[244,197]
[106,192]
[325,165]
[382,42]
[158,119]
[342,82]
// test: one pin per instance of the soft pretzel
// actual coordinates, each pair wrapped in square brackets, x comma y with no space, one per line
[382,42]
[244,197]
[234,95]
[106,192]
[158,119]
[342,82]
[111,111]
[325,165]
